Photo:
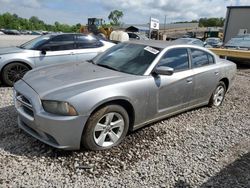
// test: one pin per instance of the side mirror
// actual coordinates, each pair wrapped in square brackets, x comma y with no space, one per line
[43,51]
[162,70]
[205,43]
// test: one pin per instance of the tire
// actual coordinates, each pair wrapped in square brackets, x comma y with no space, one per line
[101,132]
[218,95]
[13,72]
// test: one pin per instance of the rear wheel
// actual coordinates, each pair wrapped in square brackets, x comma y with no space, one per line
[218,95]
[13,72]
[106,128]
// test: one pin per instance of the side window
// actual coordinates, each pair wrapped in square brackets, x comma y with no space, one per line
[176,59]
[60,42]
[83,41]
[199,58]
[210,59]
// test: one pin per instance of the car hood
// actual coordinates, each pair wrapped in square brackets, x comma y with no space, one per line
[70,79]
[10,50]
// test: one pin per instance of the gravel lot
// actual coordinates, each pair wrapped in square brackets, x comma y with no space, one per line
[205,147]
[14,40]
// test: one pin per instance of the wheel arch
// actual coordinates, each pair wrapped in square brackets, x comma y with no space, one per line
[16,61]
[226,82]
[127,105]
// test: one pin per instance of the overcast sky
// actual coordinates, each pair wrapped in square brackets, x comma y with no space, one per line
[135,11]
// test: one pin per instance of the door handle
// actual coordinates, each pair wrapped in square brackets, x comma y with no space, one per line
[72,53]
[189,80]
[216,73]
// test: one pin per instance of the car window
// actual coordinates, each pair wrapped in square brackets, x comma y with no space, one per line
[87,41]
[60,42]
[128,58]
[200,58]
[133,36]
[176,59]
[35,43]
[210,59]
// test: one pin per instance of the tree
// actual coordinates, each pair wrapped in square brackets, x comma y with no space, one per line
[211,22]
[115,16]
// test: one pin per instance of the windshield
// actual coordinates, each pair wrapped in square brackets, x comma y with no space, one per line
[213,40]
[33,44]
[127,57]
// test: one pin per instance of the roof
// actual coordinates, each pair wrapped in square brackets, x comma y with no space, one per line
[231,7]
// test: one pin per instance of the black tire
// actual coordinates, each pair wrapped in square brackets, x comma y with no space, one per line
[13,72]
[212,101]
[89,133]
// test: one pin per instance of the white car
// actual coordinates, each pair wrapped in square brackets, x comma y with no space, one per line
[48,50]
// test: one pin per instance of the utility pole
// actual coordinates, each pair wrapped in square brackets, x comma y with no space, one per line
[165,24]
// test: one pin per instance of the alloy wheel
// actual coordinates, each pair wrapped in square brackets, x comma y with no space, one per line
[109,129]
[219,95]
[16,72]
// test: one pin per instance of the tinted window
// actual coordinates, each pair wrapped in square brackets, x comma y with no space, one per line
[89,41]
[210,59]
[200,58]
[175,58]
[133,36]
[60,42]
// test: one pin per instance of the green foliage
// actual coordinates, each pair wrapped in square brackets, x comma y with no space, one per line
[13,21]
[211,22]
[115,16]
[207,22]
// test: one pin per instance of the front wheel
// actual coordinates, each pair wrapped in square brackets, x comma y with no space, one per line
[13,72]
[218,95]
[106,128]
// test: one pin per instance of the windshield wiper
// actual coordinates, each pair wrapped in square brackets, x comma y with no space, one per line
[107,66]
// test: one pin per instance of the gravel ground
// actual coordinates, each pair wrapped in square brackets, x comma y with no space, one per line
[205,147]
[15,40]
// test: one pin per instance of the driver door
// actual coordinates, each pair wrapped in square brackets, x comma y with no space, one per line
[174,91]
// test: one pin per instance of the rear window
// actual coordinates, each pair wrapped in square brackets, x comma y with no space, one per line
[83,41]
[201,58]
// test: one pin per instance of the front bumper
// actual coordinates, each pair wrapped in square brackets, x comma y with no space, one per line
[63,132]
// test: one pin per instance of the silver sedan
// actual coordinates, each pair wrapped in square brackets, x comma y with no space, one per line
[130,85]
[48,50]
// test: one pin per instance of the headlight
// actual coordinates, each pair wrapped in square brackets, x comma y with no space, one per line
[59,108]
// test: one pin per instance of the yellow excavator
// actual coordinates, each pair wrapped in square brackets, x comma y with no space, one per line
[96,26]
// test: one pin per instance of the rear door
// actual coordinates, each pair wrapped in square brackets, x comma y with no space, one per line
[206,75]
[87,47]
[59,49]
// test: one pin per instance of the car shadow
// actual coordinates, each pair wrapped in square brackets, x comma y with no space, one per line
[236,174]
[17,142]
